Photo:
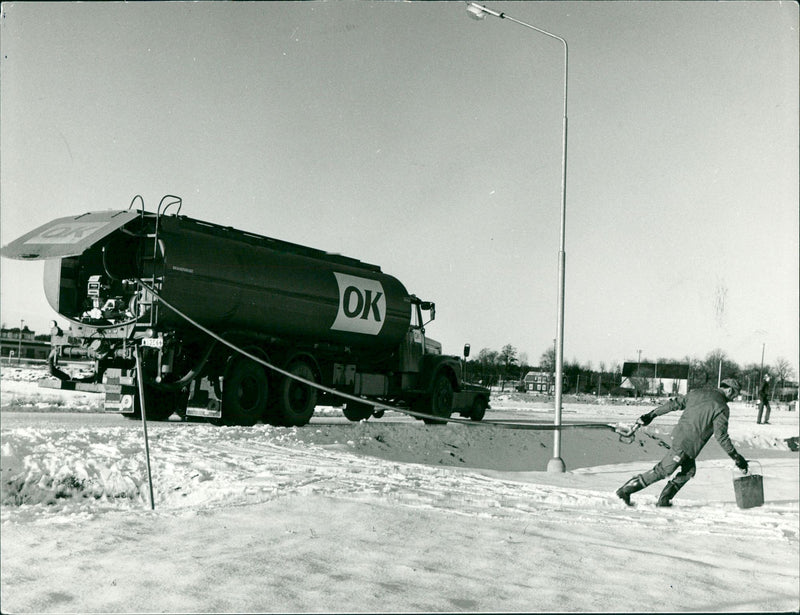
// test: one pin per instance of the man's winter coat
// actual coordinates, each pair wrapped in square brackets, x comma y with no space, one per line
[763,391]
[705,411]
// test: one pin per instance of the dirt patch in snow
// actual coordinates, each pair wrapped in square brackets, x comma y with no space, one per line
[492,448]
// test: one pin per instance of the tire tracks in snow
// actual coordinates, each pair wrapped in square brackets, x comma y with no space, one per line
[205,466]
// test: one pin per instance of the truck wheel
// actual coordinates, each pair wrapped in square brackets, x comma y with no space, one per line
[478,409]
[296,401]
[244,395]
[441,400]
[355,411]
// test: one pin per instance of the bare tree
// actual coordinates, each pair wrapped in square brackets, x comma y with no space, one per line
[714,359]
[783,371]
[749,379]
[548,359]
[487,359]
[508,357]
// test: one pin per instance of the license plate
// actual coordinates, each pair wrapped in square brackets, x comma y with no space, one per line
[153,342]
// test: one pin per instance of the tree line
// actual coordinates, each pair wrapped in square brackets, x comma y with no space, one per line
[507,367]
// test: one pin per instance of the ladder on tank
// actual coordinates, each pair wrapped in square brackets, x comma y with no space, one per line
[152,265]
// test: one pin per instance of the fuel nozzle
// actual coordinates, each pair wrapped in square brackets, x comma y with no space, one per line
[627,433]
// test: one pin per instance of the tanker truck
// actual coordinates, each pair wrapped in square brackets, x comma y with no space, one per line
[163,303]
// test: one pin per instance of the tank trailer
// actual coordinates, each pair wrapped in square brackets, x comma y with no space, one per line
[182,294]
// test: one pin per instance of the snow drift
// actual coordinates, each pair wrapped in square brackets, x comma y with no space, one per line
[388,515]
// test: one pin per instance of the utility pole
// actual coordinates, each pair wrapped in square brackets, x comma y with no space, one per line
[19,342]
[638,372]
[656,383]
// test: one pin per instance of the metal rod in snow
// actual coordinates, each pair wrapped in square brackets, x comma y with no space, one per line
[140,386]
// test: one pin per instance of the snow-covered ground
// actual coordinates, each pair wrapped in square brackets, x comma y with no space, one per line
[383,515]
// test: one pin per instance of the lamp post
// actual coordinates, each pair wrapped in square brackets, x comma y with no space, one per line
[19,342]
[556,464]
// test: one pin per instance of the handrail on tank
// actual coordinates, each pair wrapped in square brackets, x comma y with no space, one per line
[133,200]
[160,213]
[177,200]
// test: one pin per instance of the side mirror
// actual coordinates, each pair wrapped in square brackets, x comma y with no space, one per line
[429,306]
[466,350]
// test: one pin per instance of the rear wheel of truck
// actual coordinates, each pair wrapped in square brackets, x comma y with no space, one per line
[355,411]
[296,401]
[441,401]
[245,392]
[478,409]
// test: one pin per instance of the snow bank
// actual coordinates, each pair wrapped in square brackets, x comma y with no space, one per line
[387,515]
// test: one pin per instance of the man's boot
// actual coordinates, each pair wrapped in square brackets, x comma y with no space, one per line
[632,486]
[670,489]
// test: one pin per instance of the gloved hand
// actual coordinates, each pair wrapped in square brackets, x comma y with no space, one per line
[740,462]
[646,419]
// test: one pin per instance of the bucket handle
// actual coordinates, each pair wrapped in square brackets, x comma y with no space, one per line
[737,473]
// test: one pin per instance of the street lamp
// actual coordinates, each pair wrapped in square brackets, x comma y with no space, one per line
[556,464]
[19,341]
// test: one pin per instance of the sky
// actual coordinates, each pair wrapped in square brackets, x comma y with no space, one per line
[413,137]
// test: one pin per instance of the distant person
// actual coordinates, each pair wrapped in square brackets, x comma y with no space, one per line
[763,400]
[705,411]
[56,341]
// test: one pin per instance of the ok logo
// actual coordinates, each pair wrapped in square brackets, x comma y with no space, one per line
[66,232]
[362,305]
[354,301]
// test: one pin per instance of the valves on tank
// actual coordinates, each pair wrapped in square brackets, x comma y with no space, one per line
[105,307]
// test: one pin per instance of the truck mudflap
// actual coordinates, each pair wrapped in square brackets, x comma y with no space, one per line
[120,392]
[204,401]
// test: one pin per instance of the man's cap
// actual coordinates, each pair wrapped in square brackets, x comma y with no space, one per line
[731,383]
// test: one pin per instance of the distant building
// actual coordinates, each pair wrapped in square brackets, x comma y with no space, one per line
[539,380]
[787,392]
[16,344]
[656,379]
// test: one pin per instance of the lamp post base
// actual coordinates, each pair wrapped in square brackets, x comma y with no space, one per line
[556,464]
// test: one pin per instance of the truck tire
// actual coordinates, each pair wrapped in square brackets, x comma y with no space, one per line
[296,401]
[478,409]
[441,400]
[245,392]
[355,411]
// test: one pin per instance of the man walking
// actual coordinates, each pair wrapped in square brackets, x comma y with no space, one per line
[763,400]
[705,411]
[56,342]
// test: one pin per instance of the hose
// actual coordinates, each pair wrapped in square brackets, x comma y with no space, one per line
[420,415]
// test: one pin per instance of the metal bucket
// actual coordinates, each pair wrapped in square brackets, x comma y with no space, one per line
[749,488]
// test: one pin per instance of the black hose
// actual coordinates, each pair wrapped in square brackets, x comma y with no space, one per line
[382,406]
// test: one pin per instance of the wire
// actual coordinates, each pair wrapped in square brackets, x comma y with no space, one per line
[382,406]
